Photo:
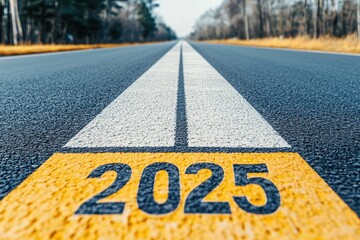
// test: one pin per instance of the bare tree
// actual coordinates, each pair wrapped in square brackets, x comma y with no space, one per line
[334,17]
[2,7]
[280,27]
[233,11]
[358,18]
[15,22]
[315,19]
[288,18]
[305,19]
[261,20]
[246,21]
[85,21]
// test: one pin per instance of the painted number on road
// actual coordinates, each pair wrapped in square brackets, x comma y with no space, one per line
[195,203]
[161,195]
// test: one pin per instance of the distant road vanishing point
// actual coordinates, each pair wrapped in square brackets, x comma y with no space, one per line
[180,140]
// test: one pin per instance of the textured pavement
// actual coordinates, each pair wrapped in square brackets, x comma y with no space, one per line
[311,99]
[45,100]
[231,110]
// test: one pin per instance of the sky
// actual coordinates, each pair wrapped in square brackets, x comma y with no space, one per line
[181,15]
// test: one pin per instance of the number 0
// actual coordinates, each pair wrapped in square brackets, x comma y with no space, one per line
[145,196]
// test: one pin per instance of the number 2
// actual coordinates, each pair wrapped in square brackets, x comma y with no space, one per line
[92,206]
[194,203]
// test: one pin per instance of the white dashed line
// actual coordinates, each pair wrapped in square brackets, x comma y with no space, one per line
[217,115]
[142,116]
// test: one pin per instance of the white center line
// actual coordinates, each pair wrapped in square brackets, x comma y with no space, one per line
[142,116]
[217,115]
[145,114]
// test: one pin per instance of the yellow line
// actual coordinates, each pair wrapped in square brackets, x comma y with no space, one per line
[44,205]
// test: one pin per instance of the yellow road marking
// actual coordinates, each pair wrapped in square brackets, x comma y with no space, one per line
[44,205]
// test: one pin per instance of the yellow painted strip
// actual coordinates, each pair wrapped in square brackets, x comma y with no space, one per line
[44,205]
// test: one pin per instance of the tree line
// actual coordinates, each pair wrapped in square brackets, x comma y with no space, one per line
[246,19]
[80,21]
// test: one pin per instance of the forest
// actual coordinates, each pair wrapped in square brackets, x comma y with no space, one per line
[81,22]
[256,19]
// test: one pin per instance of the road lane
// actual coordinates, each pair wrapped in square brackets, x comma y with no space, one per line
[218,116]
[142,116]
[121,193]
[102,182]
[311,99]
[45,100]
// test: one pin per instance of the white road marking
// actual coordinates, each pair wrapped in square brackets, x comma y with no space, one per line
[142,116]
[217,115]
[145,114]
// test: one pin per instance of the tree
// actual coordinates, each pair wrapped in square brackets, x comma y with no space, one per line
[146,18]
[80,21]
[115,31]
[261,20]
[358,18]
[305,25]
[334,17]
[318,18]
[267,18]
[16,28]
[2,8]
[112,9]
[246,20]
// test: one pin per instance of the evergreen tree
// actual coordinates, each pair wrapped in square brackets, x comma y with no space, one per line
[146,18]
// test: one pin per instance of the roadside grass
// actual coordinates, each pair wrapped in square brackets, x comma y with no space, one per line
[32,49]
[349,44]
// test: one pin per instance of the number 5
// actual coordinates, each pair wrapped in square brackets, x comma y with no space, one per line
[272,193]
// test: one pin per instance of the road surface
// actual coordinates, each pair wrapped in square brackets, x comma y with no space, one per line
[69,118]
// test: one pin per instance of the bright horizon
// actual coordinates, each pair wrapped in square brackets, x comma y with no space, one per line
[181,15]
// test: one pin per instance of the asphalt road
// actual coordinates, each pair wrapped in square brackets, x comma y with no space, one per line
[45,100]
[311,99]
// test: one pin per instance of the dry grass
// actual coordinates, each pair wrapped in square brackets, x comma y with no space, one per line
[32,49]
[349,44]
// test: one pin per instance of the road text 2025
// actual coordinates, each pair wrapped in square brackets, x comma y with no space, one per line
[194,203]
